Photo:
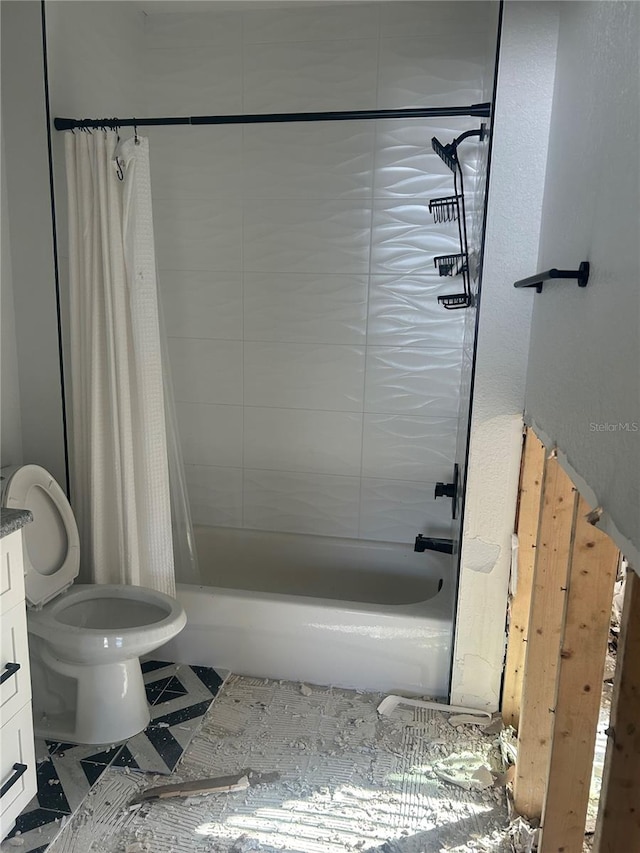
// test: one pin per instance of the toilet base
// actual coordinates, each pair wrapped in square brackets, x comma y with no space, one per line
[110,704]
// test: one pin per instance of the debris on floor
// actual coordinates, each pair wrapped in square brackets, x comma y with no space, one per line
[466,770]
[525,836]
[216,785]
[350,781]
[460,715]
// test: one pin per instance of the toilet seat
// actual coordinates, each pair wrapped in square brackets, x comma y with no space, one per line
[51,542]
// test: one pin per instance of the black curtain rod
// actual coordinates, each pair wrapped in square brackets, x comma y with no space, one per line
[481,110]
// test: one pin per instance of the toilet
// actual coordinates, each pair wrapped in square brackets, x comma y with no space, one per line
[85,641]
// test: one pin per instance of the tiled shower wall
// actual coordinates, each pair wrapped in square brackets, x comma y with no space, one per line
[317,380]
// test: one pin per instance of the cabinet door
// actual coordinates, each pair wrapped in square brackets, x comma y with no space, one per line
[15,690]
[17,767]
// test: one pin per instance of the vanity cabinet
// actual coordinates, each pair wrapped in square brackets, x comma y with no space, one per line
[17,753]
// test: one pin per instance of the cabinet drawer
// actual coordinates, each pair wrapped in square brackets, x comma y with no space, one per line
[15,690]
[11,571]
[16,748]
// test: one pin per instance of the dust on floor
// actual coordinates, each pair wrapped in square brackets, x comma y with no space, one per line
[350,780]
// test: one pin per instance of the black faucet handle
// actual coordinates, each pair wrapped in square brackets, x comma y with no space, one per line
[445,490]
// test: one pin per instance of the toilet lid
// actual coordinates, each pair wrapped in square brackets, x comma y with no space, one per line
[51,541]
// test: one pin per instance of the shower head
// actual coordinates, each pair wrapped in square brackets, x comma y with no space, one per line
[447,153]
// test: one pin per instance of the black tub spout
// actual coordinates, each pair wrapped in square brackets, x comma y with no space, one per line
[430,543]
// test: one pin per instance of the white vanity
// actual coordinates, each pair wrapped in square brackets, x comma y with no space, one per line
[17,754]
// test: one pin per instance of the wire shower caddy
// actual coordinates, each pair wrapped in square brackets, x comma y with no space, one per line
[453,209]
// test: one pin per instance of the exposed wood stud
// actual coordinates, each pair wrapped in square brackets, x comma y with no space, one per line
[618,826]
[529,505]
[555,539]
[593,568]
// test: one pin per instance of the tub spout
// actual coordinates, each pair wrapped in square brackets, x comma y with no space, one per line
[430,543]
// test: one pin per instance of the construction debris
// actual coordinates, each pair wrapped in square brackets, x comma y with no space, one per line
[524,836]
[350,779]
[216,785]
[466,770]
[508,739]
[461,715]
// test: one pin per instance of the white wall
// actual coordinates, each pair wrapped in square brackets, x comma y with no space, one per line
[583,379]
[316,377]
[10,427]
[94,70]
[521,132]
[30,239]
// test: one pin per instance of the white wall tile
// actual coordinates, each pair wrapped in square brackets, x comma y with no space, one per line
[192,29]
[198,234]
[301,503]
[201,304]
[406,164]
[404,380]
[302,440]
[304,376]
[437,17]
[206,371]
[215,495]
[309,22]
[399,447]
[315,160]
[210,435]
[397,510]
[430,72]
[194,80]
[404,311]
[329,309]
[293,207]
[195,162]
[405,238]
[310,76]
[306,236]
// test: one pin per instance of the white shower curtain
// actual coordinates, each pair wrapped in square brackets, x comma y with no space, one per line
[119,442]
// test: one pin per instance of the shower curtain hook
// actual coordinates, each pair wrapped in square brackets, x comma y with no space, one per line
[136,138]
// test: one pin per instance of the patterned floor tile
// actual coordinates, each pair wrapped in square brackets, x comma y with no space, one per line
[178,696]
[36,829]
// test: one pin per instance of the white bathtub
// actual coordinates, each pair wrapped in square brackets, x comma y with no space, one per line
[366,615]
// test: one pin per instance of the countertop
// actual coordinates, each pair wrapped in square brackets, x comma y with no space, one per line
[13,519]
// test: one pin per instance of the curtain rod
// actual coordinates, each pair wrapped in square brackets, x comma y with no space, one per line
[482,110]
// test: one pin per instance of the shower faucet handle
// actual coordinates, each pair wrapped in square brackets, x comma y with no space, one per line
[445,490]
[450,490]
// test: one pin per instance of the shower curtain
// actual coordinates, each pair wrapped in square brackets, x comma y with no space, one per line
[126,473]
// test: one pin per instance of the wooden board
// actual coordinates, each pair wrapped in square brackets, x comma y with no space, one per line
[528,517]
[543,646]
[618,826]
[592,574]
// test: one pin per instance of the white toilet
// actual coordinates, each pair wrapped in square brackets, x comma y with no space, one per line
[84,642]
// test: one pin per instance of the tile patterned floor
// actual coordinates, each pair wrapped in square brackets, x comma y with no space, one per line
[178,695]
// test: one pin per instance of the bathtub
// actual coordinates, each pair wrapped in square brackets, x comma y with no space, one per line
[350,613]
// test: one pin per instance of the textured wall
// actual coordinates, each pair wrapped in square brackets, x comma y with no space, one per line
[521,132]
[583,386]
[317,379]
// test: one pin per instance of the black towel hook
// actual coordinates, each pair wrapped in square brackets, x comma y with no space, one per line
[581,275]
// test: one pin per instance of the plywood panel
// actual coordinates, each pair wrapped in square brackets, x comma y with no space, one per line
[593,568]
[543,647]
[529,505]
[618,827]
